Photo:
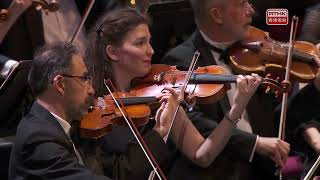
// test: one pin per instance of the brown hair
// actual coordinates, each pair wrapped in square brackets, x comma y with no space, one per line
[111,28]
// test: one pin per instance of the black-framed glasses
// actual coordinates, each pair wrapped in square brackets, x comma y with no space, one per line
[87,79]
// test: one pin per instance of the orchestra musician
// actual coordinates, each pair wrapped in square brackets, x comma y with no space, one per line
[119,48]
[219,25]
[43,147]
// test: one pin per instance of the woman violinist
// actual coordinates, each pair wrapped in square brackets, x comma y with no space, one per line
[119,49]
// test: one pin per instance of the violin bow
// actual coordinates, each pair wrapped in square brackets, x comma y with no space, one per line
[155,166]
[184,87]
[86,13]
[286,83]
[181,97]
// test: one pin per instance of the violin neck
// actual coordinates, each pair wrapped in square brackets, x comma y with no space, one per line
[212,78]
[137,100]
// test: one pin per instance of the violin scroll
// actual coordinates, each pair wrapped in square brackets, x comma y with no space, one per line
[52,6]
[273,85]
[3,15]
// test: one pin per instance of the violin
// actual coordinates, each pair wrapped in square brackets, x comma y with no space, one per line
[105,114]
[261,54]
[207,84]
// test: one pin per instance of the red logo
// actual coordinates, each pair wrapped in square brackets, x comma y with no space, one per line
[277,16]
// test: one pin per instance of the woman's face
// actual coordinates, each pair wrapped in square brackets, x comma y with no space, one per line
[134,56]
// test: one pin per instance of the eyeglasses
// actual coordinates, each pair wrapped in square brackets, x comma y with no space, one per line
[87,79]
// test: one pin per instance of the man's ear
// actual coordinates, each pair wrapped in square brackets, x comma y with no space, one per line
[112,52]
[58,84]
[215,15]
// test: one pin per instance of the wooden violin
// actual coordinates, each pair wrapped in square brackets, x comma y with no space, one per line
[261,54]
[207,84]
[107,112]
[104,114]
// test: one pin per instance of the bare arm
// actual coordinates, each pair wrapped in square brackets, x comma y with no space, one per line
[312,136]
[16,8]
[198,149]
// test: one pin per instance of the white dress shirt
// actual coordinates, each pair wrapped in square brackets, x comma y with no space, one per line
[66,127]
[61,25]
[244,123]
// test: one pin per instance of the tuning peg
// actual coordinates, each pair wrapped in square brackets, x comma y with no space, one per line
[3,15]
[39,7]
[268,75]
[267,89]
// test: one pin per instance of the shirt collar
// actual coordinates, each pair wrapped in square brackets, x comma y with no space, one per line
[223,45]
[63,123]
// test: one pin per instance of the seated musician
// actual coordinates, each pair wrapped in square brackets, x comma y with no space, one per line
[120,50]
[219,25]
[59,79]
[43,148]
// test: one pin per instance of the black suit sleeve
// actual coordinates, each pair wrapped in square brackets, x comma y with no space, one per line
[302,108]
[51,160]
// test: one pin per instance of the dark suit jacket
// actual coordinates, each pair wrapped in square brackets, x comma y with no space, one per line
[42,150]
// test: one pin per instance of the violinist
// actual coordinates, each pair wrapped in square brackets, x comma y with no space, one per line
[43,145]
[219,25]
[27,29]
[119,47]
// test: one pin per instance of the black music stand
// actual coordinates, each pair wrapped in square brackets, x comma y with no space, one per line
[172,23]
[12,88]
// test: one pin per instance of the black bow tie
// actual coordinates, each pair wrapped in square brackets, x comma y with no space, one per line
[224,54]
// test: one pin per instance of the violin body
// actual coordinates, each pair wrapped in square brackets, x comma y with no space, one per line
[100,118]
[207,84]
[162,76]
[260,54]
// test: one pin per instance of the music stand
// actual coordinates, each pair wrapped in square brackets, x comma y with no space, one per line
[13,86]
[170,6]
